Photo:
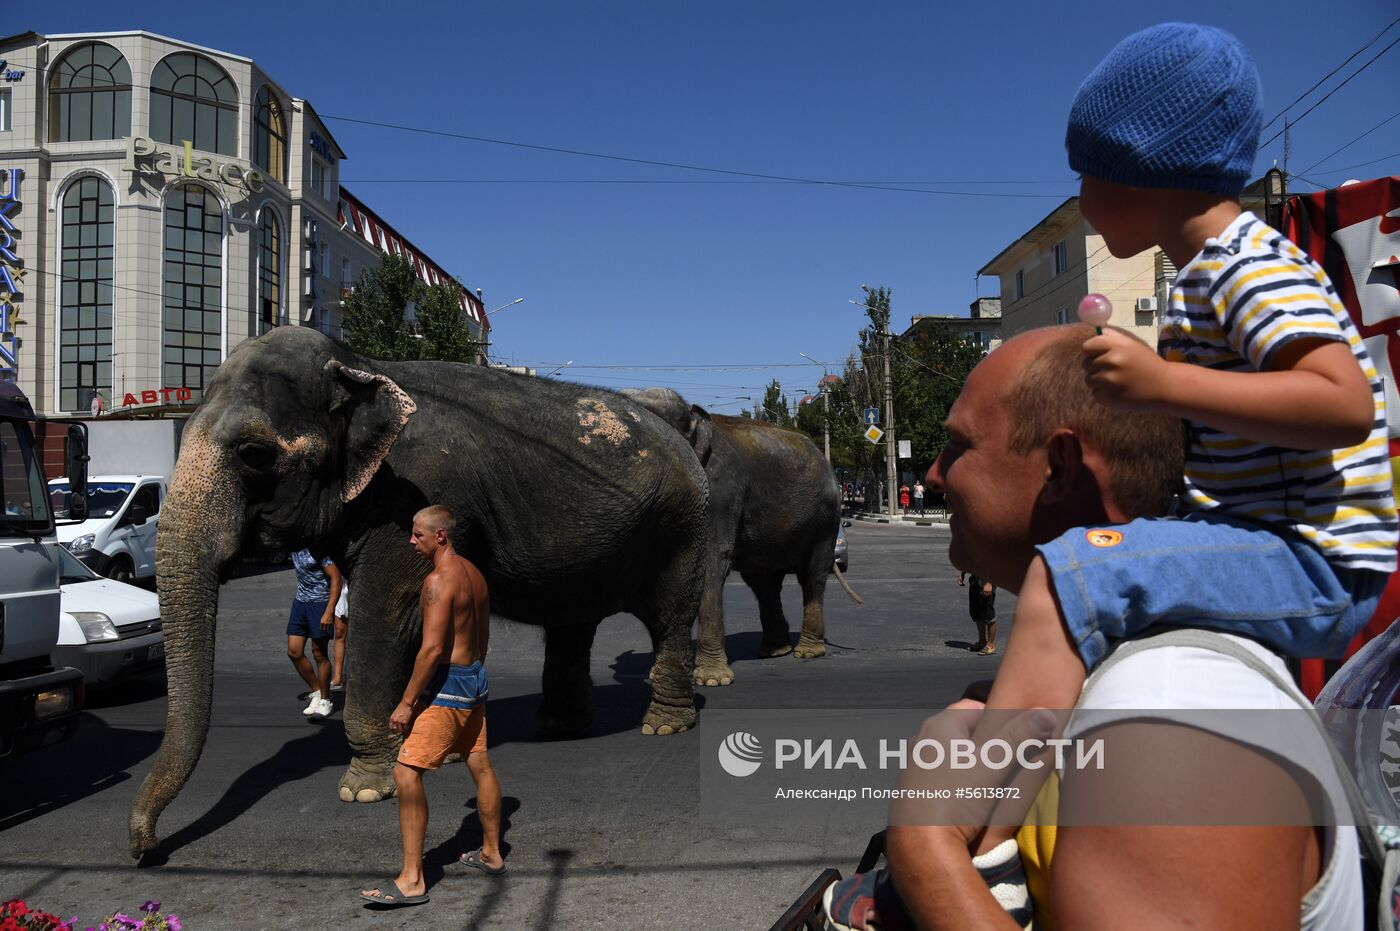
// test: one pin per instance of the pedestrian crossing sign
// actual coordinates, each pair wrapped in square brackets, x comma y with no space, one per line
[874,434]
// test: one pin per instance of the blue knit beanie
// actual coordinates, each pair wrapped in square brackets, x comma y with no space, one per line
[1173,106]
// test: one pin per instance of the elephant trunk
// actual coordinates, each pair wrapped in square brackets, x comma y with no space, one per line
[200,529]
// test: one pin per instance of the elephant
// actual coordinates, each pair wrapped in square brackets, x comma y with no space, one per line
[301,443]
[774,509]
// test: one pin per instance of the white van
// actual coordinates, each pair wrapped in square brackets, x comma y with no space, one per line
[118,539]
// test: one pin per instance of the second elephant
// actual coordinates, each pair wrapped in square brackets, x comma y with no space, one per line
[774,509]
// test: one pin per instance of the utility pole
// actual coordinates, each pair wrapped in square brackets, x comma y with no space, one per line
[826,425]
[891,463]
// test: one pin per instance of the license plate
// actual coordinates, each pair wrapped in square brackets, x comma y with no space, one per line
[157,651]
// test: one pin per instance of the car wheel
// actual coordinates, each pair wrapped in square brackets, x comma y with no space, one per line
[120,570]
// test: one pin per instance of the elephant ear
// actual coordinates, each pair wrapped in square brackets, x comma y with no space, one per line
[375,410]
[702,432]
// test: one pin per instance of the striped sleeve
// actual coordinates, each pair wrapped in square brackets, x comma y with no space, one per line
[1266,299]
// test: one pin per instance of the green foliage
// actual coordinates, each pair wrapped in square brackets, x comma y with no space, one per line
[775,405]
[375,312]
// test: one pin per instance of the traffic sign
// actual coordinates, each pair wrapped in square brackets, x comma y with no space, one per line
[874,433]
[906,450]
[872,416]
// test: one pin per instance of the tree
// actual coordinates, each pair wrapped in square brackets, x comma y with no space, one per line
[775,405]
[375,312]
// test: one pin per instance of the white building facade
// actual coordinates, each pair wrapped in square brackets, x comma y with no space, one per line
[161,202]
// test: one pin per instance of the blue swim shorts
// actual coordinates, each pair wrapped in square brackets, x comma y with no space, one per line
[305,620]
[457,686]
[1210,571]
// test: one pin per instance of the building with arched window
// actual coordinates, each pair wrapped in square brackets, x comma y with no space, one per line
[161,202]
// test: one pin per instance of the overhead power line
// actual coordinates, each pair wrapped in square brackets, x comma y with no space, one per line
[1383,158]
[559,150]
[1368,132]
[1295,122]
[1330,73]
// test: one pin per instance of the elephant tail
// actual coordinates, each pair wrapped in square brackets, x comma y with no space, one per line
[846,585]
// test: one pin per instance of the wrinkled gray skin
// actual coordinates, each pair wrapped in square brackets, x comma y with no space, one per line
[774,510]
[300,443]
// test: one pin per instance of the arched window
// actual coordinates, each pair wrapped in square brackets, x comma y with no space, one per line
[270,136]
[90,95]
[193,98]
[194,273]
[270,270]
[85,323]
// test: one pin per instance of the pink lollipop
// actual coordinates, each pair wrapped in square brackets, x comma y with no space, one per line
[1095,310]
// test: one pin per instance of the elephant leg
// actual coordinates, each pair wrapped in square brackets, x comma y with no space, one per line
[768,590]
[566,707]
[711,658]
[668,609]
[812,643]
[381,656]
[368,704]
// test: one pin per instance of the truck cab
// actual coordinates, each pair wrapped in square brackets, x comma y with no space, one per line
[38,700]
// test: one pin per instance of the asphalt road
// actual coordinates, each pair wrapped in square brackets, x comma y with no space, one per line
[613,830]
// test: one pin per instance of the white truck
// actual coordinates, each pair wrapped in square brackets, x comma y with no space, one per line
[118,538]
[38,700]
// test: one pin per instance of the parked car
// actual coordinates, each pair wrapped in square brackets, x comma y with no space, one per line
[118,539]
[841,559]
[108,629]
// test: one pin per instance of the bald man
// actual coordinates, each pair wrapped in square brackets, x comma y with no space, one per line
[444,708]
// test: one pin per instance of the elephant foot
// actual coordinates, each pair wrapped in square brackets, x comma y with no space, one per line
[777,648]
[713,674]
[662,720]
[364,784]
[554,725]
[809,648]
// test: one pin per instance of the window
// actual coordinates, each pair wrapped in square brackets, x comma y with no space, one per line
[1061,257]
[269,136]
[270,270]
[194,99]
[1062,315]
[5,110]
[1020,284]
[89,95]
[321,179]
[345,281]
[85,315]
[194,269]
[148,497]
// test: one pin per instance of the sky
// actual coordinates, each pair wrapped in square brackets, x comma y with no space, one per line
[714,282]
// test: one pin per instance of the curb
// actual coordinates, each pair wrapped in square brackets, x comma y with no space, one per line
[866,517]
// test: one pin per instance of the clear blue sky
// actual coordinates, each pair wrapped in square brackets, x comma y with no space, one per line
[913,94]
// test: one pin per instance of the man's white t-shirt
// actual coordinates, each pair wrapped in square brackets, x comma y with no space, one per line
[1177,678]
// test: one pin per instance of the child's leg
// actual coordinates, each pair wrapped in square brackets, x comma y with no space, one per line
[1040,668]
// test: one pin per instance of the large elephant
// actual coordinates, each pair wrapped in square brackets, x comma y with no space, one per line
[774,509]
[302,443]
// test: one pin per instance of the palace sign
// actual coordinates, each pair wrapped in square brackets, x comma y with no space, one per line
[143,155]
[11,270]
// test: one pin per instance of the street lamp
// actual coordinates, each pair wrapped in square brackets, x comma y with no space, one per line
[486,332]
[826,408]
[560,368]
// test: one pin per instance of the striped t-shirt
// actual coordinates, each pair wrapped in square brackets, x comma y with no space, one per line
[1249,292]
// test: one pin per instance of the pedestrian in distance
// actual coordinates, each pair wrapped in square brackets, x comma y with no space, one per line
[981,606]
[318,588]
[443,710]
[904,498]
[919,497]
[342,628]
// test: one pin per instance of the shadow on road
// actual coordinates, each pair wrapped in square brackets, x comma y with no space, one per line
[96,758]
[324,748]
[145,687]
[616,708]
[437,861]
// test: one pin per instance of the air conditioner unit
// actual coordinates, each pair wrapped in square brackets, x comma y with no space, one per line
[1146,305]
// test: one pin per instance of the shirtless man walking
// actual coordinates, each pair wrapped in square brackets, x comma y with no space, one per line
[444,708]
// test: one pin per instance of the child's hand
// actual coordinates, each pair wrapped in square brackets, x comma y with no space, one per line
[1123,371]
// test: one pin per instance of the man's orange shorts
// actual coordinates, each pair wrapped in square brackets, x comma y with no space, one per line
[438,731]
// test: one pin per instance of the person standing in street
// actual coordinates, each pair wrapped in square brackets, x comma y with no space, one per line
[318,588]
[981,605]
[444,709]
[919,497]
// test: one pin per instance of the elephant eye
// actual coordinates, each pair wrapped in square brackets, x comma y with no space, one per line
[257,456]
